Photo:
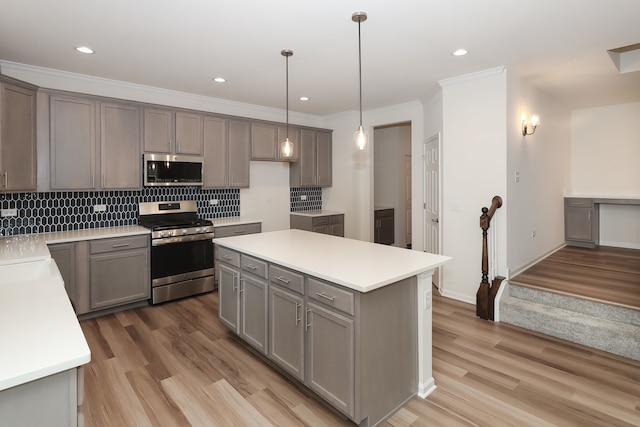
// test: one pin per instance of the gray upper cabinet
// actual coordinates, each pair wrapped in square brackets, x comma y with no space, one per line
[227,150]
[266,139]
[120,146]
[314,168]
[72,143]
[173,132]
[17,138]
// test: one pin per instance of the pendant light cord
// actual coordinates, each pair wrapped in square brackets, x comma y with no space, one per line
[360,70]
[287,103]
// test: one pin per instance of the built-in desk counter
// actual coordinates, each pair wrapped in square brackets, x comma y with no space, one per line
[582,218]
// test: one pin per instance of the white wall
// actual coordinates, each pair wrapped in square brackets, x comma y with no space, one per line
[543,160]
[353,177]
[268,198]
[605,146]
[473,172]
[391,146]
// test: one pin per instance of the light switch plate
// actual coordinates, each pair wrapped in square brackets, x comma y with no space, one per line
[99,208]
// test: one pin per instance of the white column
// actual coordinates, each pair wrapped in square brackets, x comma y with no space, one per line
[426,383]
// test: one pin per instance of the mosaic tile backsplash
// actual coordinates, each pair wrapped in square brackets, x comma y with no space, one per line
[73,210]
[313,196]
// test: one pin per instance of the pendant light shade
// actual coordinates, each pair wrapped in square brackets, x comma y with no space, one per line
[286,147]
[360,136]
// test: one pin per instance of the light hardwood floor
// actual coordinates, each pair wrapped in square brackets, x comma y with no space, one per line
[605,274]
[176,365]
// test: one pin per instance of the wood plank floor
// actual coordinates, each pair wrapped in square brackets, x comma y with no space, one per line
[604,274]
[176,365]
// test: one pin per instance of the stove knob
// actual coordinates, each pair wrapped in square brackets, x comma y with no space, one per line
[200,230]
[166,233]
[184,231]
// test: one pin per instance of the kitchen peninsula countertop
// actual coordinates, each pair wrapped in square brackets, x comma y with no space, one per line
[355,264]
[320,212]
[233,220]
[39,330]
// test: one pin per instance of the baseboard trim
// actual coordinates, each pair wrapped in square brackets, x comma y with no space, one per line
[426,388]
[460,297]
[520,269]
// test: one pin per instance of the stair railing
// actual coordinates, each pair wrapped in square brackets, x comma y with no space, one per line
[486,292]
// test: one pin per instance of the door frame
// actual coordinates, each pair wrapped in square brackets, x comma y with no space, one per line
[437,138]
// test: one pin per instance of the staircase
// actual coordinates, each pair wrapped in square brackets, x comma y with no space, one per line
[605,327]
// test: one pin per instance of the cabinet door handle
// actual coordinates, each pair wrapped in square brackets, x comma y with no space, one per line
[250,266]
[93,181]
[298,305]
[120,245]
[307,325]
[239,231]
[234,286]
[6,180]
[325,296]
[589,215]
[282,279]
[226,257]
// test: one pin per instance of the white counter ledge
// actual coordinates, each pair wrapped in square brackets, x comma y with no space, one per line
[39,331]
[93,233]
[358,265]
[233,220]
[320,212]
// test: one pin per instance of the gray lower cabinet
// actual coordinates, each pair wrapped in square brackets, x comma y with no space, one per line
[119,271]
[54,400]
[357,351]
[17,137]
[581,222]
[325,224]
[384,226]
[64,255]
[233,230]
[243,296]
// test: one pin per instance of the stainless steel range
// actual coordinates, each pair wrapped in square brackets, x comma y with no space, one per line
[181,249]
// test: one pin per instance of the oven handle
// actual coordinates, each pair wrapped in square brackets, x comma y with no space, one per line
[180,239]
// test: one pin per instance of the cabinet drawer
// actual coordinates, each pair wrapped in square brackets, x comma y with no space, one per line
[237,230]
[320,220]
[330,295]
[287,278]
[228,256]
[577,202]
[336,219]
[254,266]
[118,244]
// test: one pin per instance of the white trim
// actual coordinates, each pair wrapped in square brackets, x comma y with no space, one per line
[496,302]
[427,388]
[63,80]
[515,271]
[496,71]
[627,245]
[459,297]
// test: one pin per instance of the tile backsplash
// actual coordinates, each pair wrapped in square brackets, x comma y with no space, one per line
[306,199]
[74,210]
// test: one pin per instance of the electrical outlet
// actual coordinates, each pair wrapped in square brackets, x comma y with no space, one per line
[517,176]
[303,197]
[214,202]
[99,208]
[9,212]
[533,233]
[427,300]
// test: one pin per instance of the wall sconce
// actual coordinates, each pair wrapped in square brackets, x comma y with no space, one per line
[529,126]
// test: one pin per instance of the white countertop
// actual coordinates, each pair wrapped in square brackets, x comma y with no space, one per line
[93,233]
[321,212]
[39,332]
[355,264]
[233,220]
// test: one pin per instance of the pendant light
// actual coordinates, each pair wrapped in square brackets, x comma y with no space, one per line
[286,148]
[360,136]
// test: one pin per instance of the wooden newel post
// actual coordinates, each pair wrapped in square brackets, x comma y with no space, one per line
[482,296]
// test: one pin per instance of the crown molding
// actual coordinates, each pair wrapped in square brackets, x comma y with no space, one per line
[50,78]
[491,72]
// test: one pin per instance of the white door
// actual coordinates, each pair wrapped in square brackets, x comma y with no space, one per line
[432,199]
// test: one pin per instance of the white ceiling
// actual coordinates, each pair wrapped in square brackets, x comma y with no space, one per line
[560,46]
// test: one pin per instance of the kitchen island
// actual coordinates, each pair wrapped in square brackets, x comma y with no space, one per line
[351,320]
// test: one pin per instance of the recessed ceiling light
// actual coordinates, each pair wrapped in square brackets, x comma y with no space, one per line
[219,80]
[460,52]
[304,98]
[84,49]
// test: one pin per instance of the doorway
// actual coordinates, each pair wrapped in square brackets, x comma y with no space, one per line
[432,200]
[392,180]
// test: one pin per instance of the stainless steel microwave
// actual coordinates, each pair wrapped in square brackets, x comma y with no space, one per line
[172,170]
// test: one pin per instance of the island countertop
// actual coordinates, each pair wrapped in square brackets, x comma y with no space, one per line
[355,264]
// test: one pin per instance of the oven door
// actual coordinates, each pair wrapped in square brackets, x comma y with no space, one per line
[175,261]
